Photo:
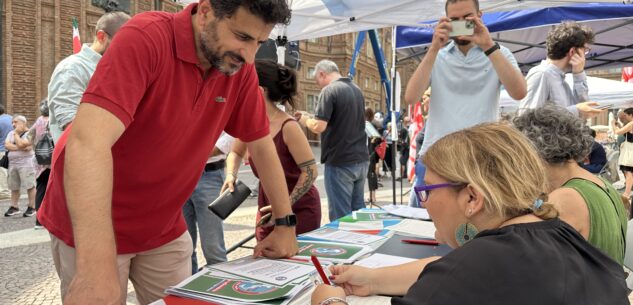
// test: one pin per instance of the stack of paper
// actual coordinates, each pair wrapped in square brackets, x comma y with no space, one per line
[407,211]
[369,215]
[331,252]
[248,281]
[342,236]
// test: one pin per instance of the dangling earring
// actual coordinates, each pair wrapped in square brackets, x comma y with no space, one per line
[465,233]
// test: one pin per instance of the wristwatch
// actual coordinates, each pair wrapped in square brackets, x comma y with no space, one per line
[289,220]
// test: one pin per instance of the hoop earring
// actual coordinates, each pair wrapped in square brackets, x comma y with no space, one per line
[465,233]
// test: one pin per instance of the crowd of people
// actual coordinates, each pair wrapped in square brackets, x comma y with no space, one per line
[152,121]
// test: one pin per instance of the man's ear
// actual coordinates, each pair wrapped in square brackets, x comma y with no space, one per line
[102,36]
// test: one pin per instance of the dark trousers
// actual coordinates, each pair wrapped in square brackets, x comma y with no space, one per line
[40,189]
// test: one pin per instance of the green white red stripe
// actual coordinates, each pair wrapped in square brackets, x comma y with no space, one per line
[76,38]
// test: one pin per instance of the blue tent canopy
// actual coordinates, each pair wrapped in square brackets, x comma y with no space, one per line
[524,32]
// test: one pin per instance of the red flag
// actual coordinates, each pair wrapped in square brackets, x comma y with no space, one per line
[627,74]
[76,39]
[417,124]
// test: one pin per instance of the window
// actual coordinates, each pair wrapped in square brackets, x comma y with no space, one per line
[376,107]
[311,103]
[376,85]
[366,82]
[313,40]
[310,73]
[369,50]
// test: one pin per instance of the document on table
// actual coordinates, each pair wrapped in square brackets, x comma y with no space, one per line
[407,211]
[344,236]
[270,271]
[378,260]
[415,228]
[361,225]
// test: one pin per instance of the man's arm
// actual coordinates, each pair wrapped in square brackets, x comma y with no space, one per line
[88,183]
[421,78]
[65,92]
[8,145]
[315,125]
[282,242]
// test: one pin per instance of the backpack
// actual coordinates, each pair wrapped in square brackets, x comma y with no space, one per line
[44,148]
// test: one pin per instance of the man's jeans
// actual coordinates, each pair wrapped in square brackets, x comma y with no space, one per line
[420,171]
[196,210]
[345,186]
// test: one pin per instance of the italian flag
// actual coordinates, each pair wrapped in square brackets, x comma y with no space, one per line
[76,39]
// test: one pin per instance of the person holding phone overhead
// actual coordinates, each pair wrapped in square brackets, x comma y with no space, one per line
[567,46]
[466,69]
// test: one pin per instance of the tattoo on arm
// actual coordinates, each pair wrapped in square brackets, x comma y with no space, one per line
[307,163]
[305,181]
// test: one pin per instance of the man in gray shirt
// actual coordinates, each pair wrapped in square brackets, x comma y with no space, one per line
[567,45]
[340,119]
[71,75]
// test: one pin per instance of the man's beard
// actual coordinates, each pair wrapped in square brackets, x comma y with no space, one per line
[461,42]
[208,39]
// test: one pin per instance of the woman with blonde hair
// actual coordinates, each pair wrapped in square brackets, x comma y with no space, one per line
[484,191]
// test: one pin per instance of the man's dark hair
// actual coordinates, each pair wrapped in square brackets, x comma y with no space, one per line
[1,109]
[455,1]
[566,36]
[271,11]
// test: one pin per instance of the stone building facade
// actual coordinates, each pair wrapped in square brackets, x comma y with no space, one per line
[36,35]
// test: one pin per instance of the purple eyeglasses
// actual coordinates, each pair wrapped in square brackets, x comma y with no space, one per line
[423,191]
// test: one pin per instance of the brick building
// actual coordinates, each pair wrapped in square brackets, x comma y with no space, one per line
[36,35]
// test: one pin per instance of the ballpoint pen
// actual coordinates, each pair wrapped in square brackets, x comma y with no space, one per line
[428,242]
[319,269]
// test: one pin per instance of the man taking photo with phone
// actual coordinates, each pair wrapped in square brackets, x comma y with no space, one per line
[466,70]
[567,44]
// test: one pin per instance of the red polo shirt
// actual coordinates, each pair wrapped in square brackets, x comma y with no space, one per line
[149,78]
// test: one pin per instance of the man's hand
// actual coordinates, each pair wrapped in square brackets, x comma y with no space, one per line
[481,35]
[280,243]
[302,117]
[587,110]
[577,61]
[94,289]
[440,35]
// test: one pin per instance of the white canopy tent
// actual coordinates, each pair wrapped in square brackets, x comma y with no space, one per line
[319,18]
[603,91]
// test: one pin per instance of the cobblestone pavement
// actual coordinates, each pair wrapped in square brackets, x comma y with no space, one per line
[27,273]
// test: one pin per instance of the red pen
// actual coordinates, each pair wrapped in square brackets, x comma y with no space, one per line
[428,242]
[319,269]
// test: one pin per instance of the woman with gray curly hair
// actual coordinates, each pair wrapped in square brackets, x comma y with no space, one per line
[588,203]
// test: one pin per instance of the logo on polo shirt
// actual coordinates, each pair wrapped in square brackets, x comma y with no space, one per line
[219,99]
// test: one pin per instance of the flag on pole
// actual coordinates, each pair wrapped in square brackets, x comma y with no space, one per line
[417,124]
[627,74]
[76,39]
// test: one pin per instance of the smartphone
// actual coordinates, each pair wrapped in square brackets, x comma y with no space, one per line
[462,28]
[606,106]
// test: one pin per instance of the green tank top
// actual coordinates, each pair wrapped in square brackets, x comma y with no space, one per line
[607,216]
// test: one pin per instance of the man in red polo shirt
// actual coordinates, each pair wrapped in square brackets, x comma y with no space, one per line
[159,99]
